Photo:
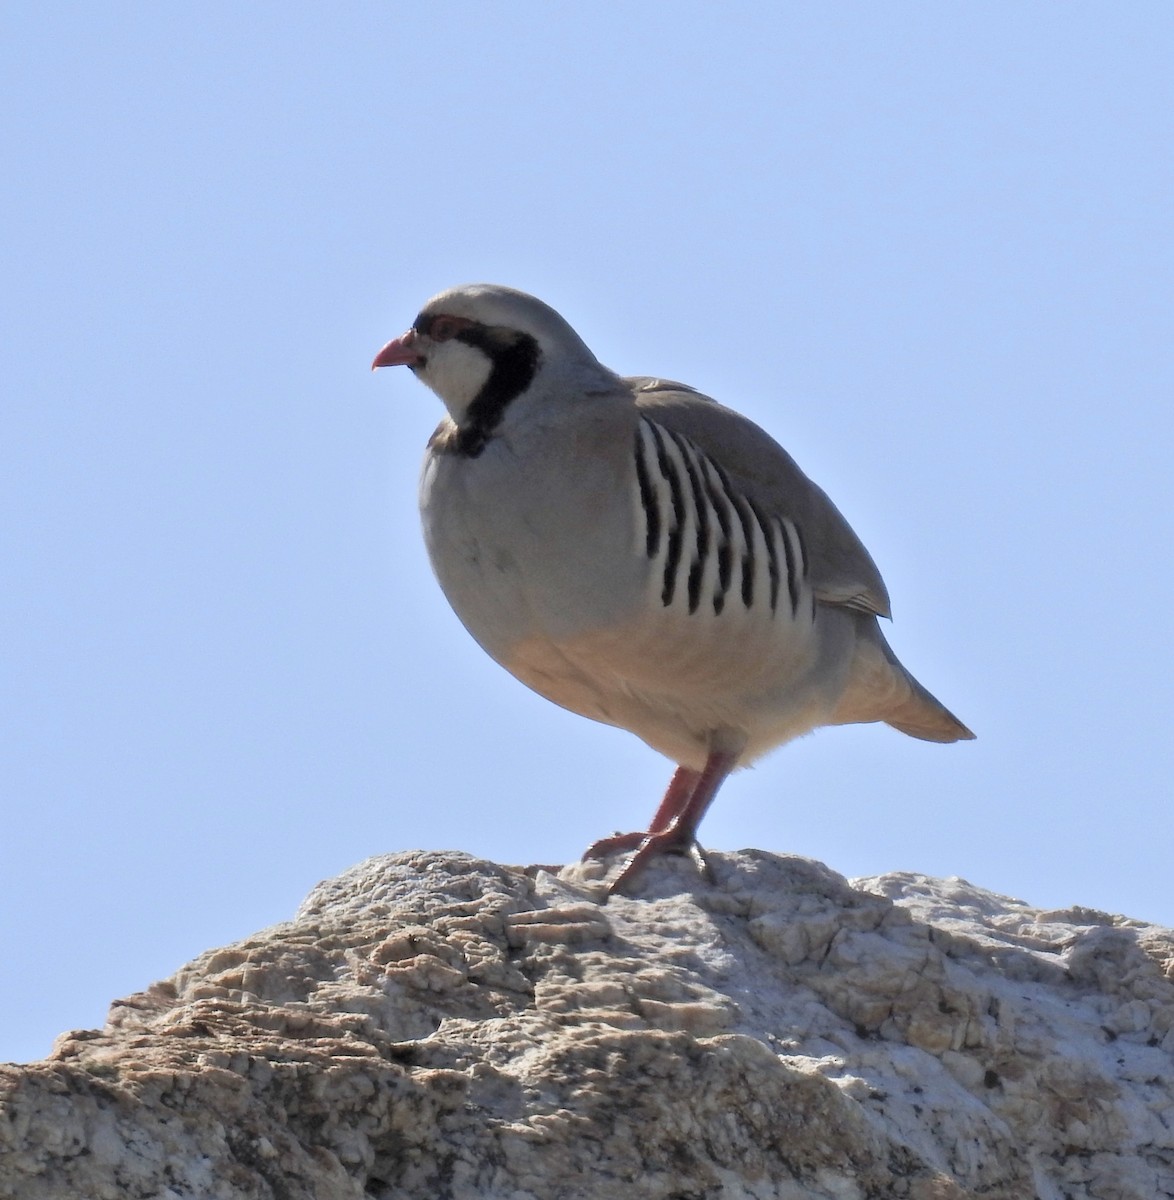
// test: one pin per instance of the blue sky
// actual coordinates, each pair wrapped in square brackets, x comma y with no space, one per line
[928,247]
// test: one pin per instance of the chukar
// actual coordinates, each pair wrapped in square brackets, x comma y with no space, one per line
[641,555]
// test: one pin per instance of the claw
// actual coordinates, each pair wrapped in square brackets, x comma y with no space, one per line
[674,827]
[618,843]
[670,841]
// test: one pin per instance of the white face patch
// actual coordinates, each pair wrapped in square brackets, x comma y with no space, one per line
[456,373]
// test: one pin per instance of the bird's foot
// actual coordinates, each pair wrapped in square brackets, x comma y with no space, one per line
[652,845]
[618,843]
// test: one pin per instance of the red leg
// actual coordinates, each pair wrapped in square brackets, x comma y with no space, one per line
[680,791]
[681,832]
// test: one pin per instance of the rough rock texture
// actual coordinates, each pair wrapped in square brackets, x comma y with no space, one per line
[430,1025]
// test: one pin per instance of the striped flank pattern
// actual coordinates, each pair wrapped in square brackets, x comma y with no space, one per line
[710,545]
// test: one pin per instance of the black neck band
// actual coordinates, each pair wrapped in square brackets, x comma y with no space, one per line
[514,365]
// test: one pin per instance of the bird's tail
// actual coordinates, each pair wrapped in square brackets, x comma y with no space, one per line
[924,716]
[881,689]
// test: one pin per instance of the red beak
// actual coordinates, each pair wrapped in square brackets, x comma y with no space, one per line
[400,351]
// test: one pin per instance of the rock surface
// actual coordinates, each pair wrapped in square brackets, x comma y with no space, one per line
[431,1025]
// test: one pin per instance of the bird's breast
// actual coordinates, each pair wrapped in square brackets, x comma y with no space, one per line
[634,567]
[529,537]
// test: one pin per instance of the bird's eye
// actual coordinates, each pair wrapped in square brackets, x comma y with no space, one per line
[442,328]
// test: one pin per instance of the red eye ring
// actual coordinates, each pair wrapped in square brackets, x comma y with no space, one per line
[443,327]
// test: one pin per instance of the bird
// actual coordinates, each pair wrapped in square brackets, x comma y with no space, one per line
[644,556]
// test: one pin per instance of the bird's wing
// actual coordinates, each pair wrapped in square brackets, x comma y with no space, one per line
[841,569]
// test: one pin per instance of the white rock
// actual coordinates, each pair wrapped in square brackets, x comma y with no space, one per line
[430,1025]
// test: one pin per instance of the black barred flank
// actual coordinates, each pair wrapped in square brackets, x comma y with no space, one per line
[772,554]
[697,567]
[670,470]
[740,506]
[804,560]
[792,573]
[647,501]
[725,552]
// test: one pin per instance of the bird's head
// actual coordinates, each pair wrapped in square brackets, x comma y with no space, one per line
[481,346]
